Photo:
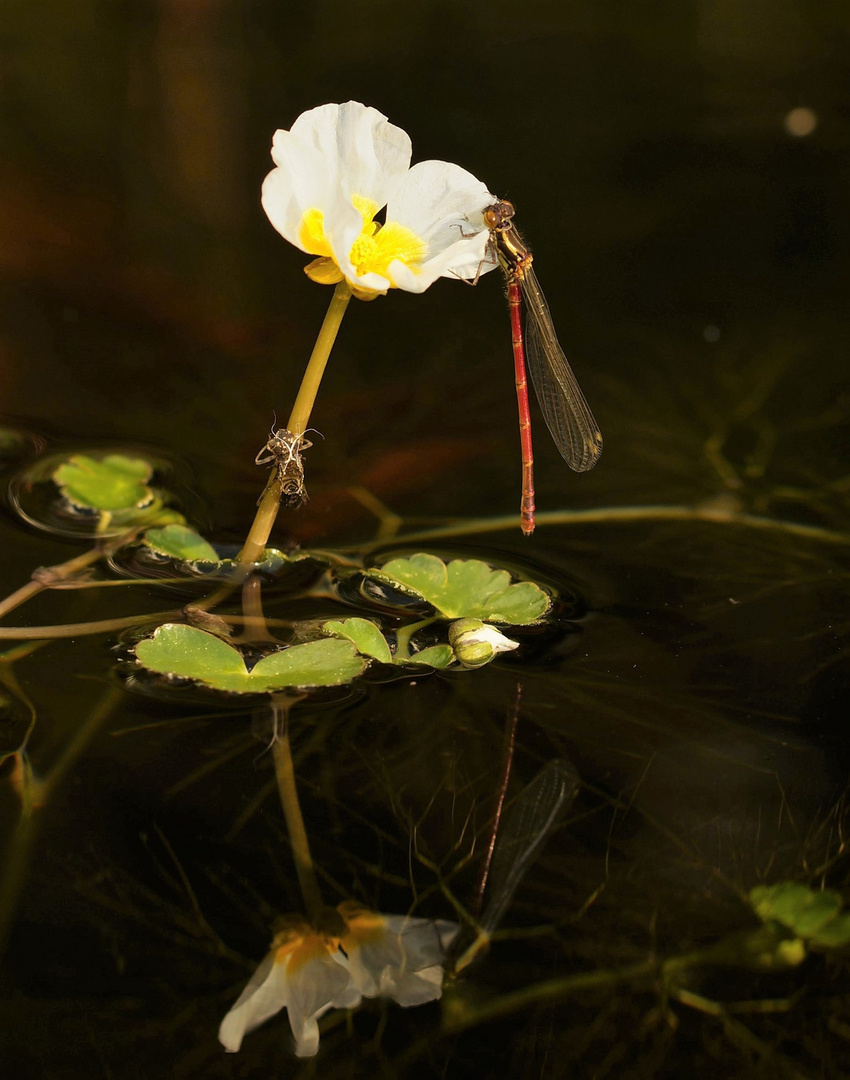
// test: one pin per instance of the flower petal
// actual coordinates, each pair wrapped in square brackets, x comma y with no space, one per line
[403,962]
[299,183]
[444,204]
[312,989]
[265,994]
[360,146]
[439,197]
[466,259]
[331,156]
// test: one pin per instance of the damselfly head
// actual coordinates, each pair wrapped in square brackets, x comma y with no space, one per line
[499,215]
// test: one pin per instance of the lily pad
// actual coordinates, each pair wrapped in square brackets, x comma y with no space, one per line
[177,649]
[365,635]
[114,482]
[467,588]
[180,542]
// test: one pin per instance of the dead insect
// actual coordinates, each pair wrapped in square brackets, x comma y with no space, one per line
[283,451]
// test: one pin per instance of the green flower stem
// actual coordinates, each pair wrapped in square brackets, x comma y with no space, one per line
[264,520]
[300,416]
[405,633]
[285,773]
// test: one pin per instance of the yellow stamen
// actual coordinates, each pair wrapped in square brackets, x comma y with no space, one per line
[373,254]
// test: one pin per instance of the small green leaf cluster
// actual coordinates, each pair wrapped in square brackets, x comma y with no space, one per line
[814,917]
[460,591]
[114,488]
[467,588]
[462,599]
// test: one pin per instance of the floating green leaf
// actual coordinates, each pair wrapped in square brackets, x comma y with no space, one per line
[467,588]
[113,482]
[180,542]
[176,649]
[327,662]
[365,635]
[435,656]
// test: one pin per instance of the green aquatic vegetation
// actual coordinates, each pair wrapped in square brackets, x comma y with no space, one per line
[365,635]
[111,489]
[466,588]
[114,482]
[814,916]
[185,545]
[180,542]
[435,656]
[187,652]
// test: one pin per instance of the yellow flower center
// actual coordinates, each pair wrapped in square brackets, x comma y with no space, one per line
[376,246]
[372,254]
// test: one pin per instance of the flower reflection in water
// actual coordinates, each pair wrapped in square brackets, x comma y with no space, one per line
[350,953]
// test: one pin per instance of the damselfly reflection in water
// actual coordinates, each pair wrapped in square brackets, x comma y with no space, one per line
[568,417]
[283,451]
[540,807]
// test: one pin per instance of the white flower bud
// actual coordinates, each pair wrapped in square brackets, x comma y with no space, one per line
[476,644]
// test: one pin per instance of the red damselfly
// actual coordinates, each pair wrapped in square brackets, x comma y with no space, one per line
[567,414]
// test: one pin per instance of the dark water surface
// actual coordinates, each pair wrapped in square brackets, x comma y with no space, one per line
[695,256]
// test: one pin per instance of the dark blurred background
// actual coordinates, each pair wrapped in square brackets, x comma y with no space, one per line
[679,169]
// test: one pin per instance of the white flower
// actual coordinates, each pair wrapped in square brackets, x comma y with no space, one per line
[337,167]
[305,974]
[354,954]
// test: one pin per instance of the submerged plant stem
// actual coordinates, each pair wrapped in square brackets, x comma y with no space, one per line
[267,511]
[458,1015]
[82,629]
[285,773]
[624,515]
[47,577]
[34,795]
